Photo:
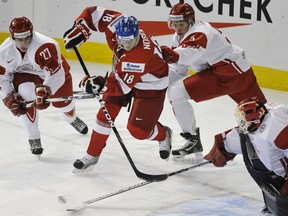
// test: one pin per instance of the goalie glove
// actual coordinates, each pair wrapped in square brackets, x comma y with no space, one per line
[218,155]
[93,84]
[42,93]
[169,55]
[77,35]
[15,103]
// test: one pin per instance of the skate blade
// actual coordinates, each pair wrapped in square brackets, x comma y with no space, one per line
[38,156]
[87,170]
[195,158]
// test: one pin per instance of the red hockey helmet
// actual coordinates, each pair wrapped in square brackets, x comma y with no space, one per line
[182,12]
[21,27]
[249,114]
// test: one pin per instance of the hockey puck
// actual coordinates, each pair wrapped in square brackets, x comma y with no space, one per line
[61,199]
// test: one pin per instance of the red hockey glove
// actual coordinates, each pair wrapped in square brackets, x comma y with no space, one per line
[77,35]
[218,155]
[15,103]
[169,55]
[42,93]
[93,84]
[284,188]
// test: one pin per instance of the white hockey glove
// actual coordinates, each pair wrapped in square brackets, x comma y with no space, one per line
[93,84]
[77,35]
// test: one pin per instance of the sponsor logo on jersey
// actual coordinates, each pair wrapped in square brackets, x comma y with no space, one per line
[133,67]
[25,68]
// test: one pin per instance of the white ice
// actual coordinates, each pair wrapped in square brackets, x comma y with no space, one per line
[31,187]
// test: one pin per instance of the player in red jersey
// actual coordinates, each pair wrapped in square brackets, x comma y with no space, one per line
[138,71]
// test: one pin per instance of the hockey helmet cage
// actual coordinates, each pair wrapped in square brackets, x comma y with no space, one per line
[249,114]
[127,28]
[182,12]
[20,27]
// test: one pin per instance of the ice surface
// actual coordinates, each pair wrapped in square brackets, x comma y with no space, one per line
[31,187]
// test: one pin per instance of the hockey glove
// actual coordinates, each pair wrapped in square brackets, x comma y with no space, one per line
[42,93]
[169,55]
[15,103]
[218,155]
[93,84]
[284,188]
[77,35]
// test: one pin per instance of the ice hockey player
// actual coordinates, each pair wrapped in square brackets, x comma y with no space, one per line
[262,140]
[221,68]
[138,70]
[33,69]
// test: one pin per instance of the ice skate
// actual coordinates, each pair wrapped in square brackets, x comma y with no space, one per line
[86,162]
[266,211]
[192,147]
[80,126]
[165,145]
[36,147]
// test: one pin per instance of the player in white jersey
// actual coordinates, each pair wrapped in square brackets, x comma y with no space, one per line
[138,70]
[221,69]
[262,138]
[32,69]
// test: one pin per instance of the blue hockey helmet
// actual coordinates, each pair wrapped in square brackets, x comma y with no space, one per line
[127,28]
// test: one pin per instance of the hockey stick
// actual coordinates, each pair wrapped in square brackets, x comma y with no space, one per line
[65,98]
[145,176]
[88,202]
[189,168]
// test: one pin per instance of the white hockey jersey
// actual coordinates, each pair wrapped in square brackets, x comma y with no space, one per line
[43,58]
[270,140]
[204,46]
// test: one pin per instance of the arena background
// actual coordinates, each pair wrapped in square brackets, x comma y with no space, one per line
[259,26]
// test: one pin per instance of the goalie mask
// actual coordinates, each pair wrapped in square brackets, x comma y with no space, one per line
[181,12]
[20,28]
[127,32]
[250,114]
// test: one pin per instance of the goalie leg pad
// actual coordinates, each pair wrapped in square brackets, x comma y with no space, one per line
[276,203]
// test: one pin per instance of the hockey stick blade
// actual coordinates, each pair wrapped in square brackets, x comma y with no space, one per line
[150,177]
[144,176]
[88,202]
[163,177]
